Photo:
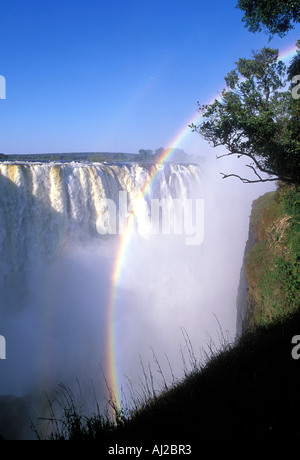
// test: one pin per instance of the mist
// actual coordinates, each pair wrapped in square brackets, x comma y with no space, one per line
[168,289]
[55,322]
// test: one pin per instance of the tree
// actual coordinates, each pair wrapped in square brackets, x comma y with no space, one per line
[145,154]
[160,151]
[294,67]
[256,117]
[272,16]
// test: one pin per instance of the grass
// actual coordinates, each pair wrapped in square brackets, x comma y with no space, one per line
[246,390]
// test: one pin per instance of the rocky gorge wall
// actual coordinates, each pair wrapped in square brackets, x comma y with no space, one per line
[270,279]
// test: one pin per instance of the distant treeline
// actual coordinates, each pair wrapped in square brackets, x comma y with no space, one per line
[143,156]
[72,156]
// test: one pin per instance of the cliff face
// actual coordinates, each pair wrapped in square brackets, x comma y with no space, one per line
[270,279]
[243,288]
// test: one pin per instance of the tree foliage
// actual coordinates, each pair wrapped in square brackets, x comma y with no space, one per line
[272,16]
[294,67]
[256,117]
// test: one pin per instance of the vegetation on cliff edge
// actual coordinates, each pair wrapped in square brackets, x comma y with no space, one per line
[273,263]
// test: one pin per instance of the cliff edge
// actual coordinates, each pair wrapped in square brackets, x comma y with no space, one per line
[270,279]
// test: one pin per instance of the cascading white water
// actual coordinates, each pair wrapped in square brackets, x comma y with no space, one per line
[44,205]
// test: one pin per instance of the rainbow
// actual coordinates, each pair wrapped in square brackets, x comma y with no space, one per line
[111,365]
[288,53]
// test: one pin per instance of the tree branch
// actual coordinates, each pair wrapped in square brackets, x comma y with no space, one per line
[248,181]
[255,172]
[257,164]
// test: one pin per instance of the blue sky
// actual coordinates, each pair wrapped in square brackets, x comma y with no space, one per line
[87,75]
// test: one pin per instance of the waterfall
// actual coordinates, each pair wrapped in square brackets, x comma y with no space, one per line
[64,198]
[59,233]
[44,205]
